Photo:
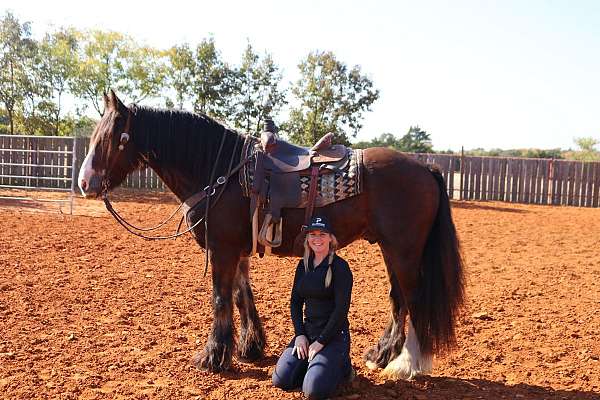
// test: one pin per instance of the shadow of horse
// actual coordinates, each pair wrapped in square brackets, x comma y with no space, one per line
[469,205]
[430,388]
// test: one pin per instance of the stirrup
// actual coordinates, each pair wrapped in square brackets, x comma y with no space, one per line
[263,235]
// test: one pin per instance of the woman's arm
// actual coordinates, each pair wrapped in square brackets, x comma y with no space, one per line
[297,302]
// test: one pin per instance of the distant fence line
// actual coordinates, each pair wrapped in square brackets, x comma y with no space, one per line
[519,180]
[45,162]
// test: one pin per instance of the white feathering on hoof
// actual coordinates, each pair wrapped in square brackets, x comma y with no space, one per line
[371,365]
[410,363]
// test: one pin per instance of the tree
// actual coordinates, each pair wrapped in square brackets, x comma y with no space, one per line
[15,44]
[211,81]
[56,62]
[145,73]
[416,140]
[101,65]
[329,98]
[180,72]
[256,92]
[111,60]
[384,140]
[586,151]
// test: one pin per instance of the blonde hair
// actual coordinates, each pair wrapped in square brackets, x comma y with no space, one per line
[333,245]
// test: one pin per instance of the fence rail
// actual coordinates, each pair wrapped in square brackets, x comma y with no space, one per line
[519,180]
[51,162]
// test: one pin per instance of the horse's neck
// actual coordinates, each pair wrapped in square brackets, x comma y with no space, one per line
[180,178]
[175,179]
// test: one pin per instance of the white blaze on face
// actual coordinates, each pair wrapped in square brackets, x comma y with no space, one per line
[86,172]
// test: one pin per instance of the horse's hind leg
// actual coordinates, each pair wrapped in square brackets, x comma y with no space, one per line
[390,344]
[410,361]
[216,355]
[251,342]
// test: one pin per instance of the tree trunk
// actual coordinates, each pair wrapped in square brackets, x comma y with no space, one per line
[10,119]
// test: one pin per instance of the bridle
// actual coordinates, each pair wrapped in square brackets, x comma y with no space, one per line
[204,195]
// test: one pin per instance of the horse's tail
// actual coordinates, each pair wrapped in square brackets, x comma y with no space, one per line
[441,281]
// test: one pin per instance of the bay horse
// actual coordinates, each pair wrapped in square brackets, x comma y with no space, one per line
[403,207]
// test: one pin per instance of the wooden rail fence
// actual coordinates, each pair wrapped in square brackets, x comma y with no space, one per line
[50,163]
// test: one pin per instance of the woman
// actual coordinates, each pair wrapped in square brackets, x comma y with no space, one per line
[318,358]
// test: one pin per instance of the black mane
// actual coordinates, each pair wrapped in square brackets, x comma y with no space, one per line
[184,141]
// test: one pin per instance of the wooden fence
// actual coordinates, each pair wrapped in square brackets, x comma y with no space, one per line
[50,162]
[520,180]
[47,162]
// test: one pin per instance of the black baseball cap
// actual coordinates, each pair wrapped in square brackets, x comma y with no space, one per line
[318,223]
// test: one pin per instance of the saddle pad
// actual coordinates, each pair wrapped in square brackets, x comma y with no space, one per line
[331,186]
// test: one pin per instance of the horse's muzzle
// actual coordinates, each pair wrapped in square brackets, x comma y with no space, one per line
[91,187]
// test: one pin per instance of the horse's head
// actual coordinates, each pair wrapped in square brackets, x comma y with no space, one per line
[112,154]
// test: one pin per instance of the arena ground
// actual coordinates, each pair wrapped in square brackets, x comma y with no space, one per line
[88,311]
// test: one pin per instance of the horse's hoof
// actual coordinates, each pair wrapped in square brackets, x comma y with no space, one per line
[372,359]
[251,353]
[205,362]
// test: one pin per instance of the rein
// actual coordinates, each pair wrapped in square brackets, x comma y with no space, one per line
[206,194]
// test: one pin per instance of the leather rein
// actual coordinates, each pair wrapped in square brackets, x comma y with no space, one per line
[192,202]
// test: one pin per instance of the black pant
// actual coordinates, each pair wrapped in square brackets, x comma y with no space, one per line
[321,376]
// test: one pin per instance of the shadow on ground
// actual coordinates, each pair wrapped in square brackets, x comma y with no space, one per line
[429,388]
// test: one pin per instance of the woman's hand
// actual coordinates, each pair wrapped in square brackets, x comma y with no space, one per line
[301,347]
[314,349]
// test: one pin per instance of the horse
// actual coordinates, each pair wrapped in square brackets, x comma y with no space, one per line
[403,207]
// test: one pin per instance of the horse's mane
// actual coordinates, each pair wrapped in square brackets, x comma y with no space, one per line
[184,140]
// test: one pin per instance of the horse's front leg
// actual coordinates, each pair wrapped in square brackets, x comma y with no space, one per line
[251,343]
[216,356]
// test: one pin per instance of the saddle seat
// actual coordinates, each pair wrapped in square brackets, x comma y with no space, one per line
[284,157]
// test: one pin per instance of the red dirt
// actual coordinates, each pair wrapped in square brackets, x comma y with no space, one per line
[88,311]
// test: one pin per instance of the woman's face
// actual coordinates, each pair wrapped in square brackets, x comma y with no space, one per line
[318,241]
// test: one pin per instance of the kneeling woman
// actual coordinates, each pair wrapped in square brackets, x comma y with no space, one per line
[318,358]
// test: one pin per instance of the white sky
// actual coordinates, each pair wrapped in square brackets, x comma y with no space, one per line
[505,73]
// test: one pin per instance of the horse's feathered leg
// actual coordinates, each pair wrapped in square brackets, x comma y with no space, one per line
[216,356]
[390,344]
[251,342]
[407,359]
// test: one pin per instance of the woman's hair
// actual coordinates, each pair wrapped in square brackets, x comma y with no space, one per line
[333,245]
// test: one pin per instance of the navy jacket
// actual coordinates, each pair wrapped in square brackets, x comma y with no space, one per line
[325,309]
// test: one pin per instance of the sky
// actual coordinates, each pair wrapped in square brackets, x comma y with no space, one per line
[474,73]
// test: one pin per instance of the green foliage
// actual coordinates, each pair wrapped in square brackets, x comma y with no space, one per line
[586,151]
[58,61]
[518,153]
[101,66]
[15,48]
[256,92]
[180,73]
[416,140]
[111,60]
[384,140]
[211,80]
[329,97]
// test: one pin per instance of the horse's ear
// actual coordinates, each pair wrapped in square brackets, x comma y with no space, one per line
[116,102]
[105,98]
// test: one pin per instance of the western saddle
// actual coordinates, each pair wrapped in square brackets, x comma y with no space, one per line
[279,165]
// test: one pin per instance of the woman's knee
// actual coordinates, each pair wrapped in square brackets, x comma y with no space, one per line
[281,382]
[288,371]
[318,387]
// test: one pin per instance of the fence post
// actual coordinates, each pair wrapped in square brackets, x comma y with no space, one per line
[462,171]
[74,171]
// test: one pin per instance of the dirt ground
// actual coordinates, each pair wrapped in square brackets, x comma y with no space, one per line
[89,311]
